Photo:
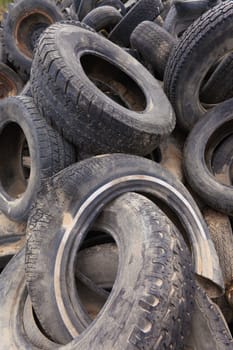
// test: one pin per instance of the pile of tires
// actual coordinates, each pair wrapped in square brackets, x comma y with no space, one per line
[116,141]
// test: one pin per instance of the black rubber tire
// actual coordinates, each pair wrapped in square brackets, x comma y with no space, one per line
[219,87]
[10,82]
[176,24]
[194,7]
[37,152]
[117,4]
[102,18]
[154,44]
[3,56]
[185,70]
[19,33]
[84,114]
[26,91]
[209,330]
[9,246]
[142,247]
[143,10]
[208,133]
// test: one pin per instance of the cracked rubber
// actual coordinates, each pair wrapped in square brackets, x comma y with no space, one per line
[80,110]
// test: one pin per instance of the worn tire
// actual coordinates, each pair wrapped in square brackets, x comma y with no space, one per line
[102,18]
[10,82]
[117,4]
[207,134]
[22,25]
[154,44]
[143,10]
[147,219]
[219,86]
[58,77]
[185,70]
[37,152]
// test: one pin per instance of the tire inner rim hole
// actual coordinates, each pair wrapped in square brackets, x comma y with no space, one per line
[15,161]
[29,30]
[94,281]
[113,82]
[7,86]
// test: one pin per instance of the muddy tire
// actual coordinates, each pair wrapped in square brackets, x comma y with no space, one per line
[143,10]
[154,44]
[10,82]
[103,18]
[22,25]
[110,84]
[185,71]
[147,219]
[36,152]
[203,139]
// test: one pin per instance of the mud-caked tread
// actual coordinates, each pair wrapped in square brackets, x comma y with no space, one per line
[167,282]
[143,10]
[69,100]
[155,45]
[185,70]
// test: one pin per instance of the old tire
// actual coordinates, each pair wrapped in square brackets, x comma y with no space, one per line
[154,44]
[129,121]
[207,134]
[22,25]
[102,18]
[36,152]
[10,82]
[143,10]
[185,71]
[147,219]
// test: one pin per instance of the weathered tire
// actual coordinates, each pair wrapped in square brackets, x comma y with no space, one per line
[26,91]
[102,18]
[207,134]
[185,71]
[143,10]
[209,330]
[222,162]
[142,247]
[37,152]
[10,82]
[93,121]
[219,87]
[154,44]
[22,25]
[117,4]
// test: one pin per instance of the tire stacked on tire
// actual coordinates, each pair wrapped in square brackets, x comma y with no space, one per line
[107,249]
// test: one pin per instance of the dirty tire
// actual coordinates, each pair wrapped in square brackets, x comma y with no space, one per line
[10,82]
[104,17]
[155,45]
[185,71]
[219,86]
[26,91]
[9,246]
[131,302]
[213,128]
[117,4]
[22,25]
[18,329]
[36,153]
[143,10]
[58,76]
[209,329]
